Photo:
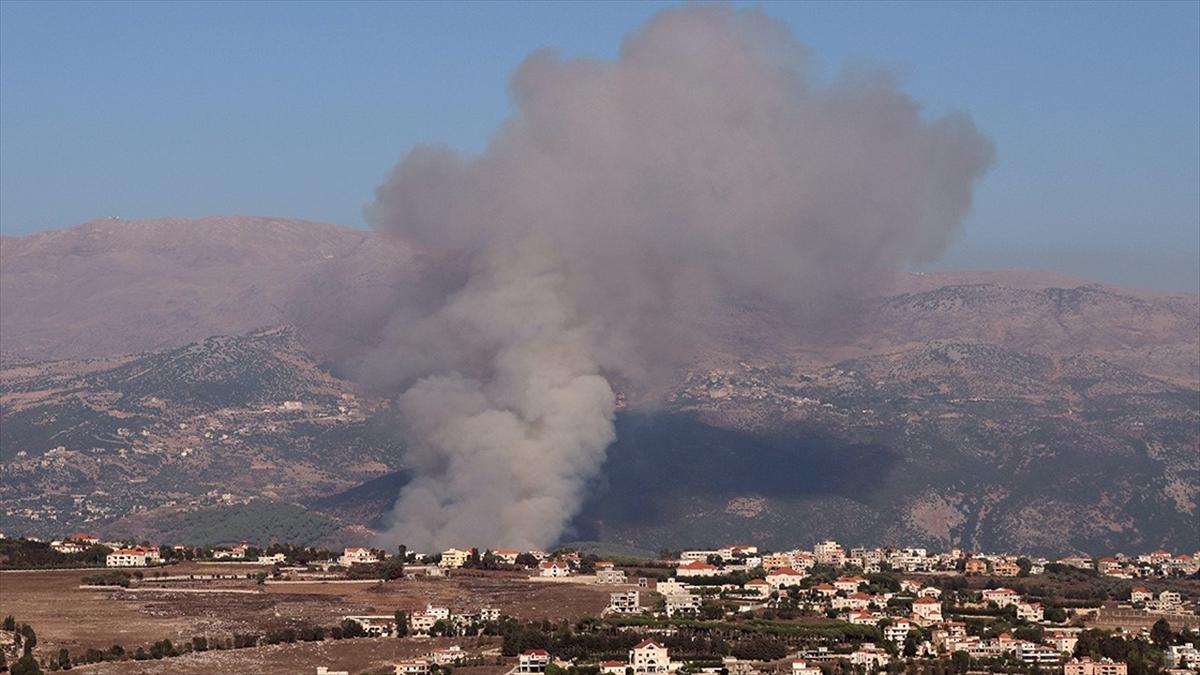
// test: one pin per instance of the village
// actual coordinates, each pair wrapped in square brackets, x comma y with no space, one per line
[734,609]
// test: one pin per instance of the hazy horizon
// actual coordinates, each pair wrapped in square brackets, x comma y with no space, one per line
[1094,110]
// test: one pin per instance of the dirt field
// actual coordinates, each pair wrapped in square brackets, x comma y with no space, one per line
[65,615]
[357,656]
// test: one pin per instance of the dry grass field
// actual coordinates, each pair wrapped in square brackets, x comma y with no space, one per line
[364,655]
[66,616]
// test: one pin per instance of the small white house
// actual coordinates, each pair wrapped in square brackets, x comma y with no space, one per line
[697,568]
[533,661]
[553,568]
[802,668]
[415,667]
[758,587]
[928,610]
[137,556]
[784,577]
[455,557]
[649,657]
[357,556]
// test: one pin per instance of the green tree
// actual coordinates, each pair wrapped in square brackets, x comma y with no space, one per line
[912,641]
[352,629]
[10,623]
[30,638]
[64,659]
[1024,565]
[401,624]
[391,568]
[26,665]
[1161,633]
[961,661]
[1030,633]
[1055,614]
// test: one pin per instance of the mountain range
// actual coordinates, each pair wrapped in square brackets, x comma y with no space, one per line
[159,376]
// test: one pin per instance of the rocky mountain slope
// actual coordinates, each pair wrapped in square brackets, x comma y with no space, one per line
[1000,410]
[122,444]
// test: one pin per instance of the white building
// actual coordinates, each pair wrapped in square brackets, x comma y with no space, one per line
[697,568]
[133,557]
[533,661]
[554,568]
[447,655]
[669,586]
[508,556]
[682,603]
[928,610]
[1183,656]
[356,556]
[1003,597]
[649,657]
[869,656]
[802,668]
[758,587]
[774,560]
[454,557]
[848,584]
[624,603]
[897,631]
[1087,666]
[1030,611]
[421,623]
[829,552]
[1062,640]
[375,625]
[415,667]
[68,546]
[437,613]
[730,552]
[610,576]
[784,577]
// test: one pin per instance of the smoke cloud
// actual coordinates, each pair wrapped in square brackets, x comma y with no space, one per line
[706,163]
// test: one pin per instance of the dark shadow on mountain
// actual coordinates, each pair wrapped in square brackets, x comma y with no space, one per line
[366,503]
[662,456]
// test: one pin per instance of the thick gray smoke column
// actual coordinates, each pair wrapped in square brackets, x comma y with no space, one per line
[704,164]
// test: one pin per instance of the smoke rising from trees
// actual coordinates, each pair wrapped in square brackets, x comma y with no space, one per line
[706,163]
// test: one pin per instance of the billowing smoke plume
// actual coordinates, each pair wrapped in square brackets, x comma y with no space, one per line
[704,164]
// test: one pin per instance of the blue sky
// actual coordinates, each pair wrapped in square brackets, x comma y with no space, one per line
[145,110]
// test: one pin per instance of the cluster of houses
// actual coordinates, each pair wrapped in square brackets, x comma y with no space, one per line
[120,555]
[776,579]
[647,656]
[422,623]
[438,657]
[910,619]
